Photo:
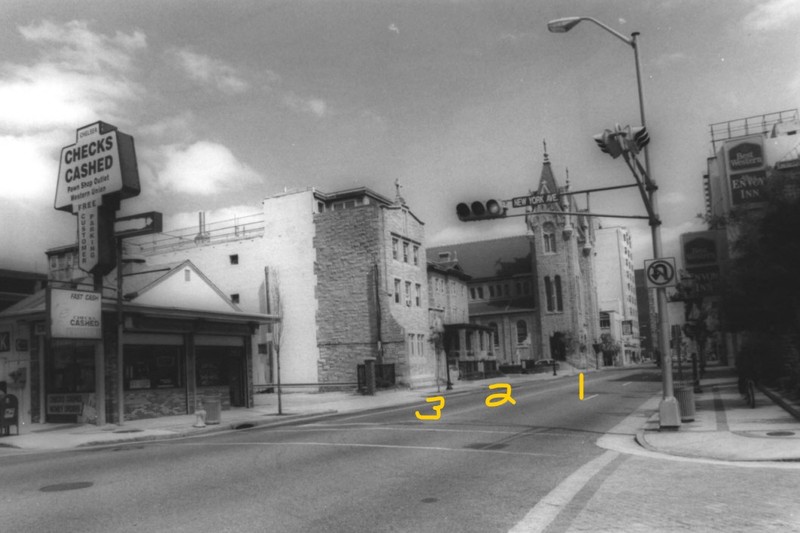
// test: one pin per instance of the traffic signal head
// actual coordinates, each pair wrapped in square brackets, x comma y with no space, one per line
[480,210]
[609,143]
[636,139]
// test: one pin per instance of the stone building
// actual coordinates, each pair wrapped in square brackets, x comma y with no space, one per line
[537,291]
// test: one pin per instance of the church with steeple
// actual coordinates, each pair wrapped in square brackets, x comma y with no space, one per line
[537,290]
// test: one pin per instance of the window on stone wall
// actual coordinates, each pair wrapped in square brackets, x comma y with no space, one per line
[549,237]
[416,254]
[405,252]
[480,293]
[491,291]
[605,320]
[559,299]
[495,333]
[522,331]
[395,248]
[396,291]
[235,298]
[408,293]
[548,292]
[418,295]
[234,259]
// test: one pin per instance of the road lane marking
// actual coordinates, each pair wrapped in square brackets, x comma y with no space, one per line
[626,384]
[363,445]
[548,508]
[592,396]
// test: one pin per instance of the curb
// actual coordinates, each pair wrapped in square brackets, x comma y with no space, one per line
[779,399]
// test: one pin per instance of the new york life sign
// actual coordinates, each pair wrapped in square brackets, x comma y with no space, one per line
[94,174]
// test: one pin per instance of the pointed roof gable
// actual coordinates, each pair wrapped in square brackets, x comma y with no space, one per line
[180,286]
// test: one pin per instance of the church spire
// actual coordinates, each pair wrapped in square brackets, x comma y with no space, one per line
[546,158]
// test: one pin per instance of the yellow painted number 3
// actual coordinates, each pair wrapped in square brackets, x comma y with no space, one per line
[436,408]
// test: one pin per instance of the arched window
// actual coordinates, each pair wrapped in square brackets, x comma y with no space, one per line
[559,300]
[522,331]
[549,237]
[548,291]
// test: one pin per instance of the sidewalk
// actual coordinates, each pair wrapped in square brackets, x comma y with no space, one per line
[724,427]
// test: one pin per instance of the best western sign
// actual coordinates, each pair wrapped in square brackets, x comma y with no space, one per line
[94,174]
[747,173]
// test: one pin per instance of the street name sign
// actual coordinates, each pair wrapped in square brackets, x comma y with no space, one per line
[534,199]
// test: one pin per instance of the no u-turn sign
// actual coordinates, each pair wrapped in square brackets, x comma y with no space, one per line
[660,273]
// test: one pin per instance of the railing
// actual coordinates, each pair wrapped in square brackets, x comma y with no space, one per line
[246,227]
[723,131]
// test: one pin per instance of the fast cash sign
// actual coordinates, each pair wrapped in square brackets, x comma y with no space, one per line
[94,174]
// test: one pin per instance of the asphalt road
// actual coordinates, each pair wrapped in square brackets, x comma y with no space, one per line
[476,469]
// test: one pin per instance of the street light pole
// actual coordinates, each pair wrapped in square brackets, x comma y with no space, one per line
[669,414]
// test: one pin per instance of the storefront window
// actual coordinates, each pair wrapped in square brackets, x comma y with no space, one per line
[216,365]
[73,366]
[152,367]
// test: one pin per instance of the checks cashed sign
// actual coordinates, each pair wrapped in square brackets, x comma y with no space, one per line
[75,314]
[94,174]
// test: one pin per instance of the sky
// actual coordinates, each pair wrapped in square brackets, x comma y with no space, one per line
[231,102]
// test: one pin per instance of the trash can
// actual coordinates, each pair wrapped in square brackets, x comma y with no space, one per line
[213,407]
[685,397]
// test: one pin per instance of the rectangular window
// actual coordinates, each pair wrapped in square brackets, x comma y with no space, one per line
[152,367]
[418,295]
[234,259]
[416,254]
[187,275]
[472,292]
[491,291]
[235,298]
[396,291]
[480,293]
[605,320]
[405,252]
[395,248]
[408,293]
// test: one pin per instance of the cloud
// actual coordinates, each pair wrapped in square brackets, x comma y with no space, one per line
[772,15]
[669,60]
[210,72]
[203,168]
[311,106]
[29,170]
[77,77]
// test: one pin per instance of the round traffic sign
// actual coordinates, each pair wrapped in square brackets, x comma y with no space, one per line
[660,272]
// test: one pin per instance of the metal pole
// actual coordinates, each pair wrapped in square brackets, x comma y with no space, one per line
[669,414]
[120,360]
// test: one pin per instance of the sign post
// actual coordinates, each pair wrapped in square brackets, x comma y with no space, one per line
[94,175]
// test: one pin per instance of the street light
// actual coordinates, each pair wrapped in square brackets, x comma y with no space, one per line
[669,415]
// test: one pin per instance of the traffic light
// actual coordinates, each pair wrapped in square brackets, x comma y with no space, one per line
[480,210]
[609,143]
[636,138]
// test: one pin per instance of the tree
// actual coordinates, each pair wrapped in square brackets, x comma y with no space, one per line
[275,307]
[610,347]
[761,289]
